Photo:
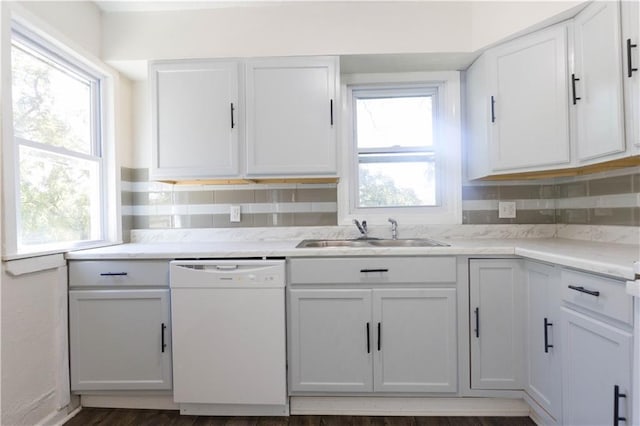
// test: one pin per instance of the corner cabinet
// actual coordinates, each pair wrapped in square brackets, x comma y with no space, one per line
[292,114]
[496,294]
[518,118]
[597,83]
[543,343]
[195,119]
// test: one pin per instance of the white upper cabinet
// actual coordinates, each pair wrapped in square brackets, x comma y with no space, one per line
[195,119]
[630,71]
[517,106]
[529,116]
[597,83]
[291,116]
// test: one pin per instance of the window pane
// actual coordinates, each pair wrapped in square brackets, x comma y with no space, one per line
[59,198]
[50,105]
[397,184]
[397,121]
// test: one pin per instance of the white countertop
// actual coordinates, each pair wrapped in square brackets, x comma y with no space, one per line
[604,258]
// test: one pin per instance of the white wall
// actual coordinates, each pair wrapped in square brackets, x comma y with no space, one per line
[141,125]
[34,347]
[304,28]
[80,21]
[493,21]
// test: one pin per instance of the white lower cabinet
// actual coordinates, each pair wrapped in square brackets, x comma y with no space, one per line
[382,340]
[543,371]
[496,291]
[330,344]
[120,339]
[596,364]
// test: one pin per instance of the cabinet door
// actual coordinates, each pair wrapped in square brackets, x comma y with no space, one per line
[116,339]
[415,342]
[543,380]
[530,117]
[595,358]
[598,66]
[478,119]
[631,60]
[496,324]
[329,348]
[195,119]
[291,116]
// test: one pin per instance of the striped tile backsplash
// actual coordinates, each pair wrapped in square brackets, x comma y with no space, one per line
[610,198]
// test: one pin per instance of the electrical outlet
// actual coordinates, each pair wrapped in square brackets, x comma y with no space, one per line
[506,209]
[234,214]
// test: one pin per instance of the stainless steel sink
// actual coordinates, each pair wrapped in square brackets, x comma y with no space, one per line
[332,243]
[416,242]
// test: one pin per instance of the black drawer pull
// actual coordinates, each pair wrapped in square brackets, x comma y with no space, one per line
[584,290]
[616,405]
[368,340]
[547,324]
[364,271]
[113,274]
[163,344]
[493,110]
[477,330]
[573,87]
[630,68]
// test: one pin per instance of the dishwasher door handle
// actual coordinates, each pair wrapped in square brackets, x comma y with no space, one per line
[226,267]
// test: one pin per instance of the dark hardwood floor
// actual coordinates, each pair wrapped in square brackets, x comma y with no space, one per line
[126,417]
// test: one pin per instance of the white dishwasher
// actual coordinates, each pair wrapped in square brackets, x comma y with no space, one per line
[228,331]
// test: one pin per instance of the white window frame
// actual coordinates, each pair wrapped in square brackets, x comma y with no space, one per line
[447,145]
[35,31]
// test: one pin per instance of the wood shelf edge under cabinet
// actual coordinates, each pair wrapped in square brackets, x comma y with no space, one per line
[309,180]
[572,171]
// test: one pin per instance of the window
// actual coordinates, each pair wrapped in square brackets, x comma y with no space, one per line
[403,149]
[58,165]
[394,143]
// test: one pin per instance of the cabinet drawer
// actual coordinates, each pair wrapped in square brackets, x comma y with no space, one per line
[602,295]
[119,273]
[373,270]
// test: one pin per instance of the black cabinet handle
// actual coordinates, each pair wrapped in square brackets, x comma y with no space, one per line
[113,274]
[364,271]
[233,123]
[368,340]
[477,330]
[547,324]
[493,109]
[584,290]
[379,337]
[616,408]
[630,68]
[163,344]
[573,88]
[331,111]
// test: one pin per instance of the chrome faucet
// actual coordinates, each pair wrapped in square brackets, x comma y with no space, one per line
[362,228]
[394,228]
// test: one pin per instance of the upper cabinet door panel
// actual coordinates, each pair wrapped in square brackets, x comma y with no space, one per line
[291,116]
[195,131]
[598,66]
[530,120]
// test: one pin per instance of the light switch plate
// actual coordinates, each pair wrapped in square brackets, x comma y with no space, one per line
[234,214]
[506,209]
